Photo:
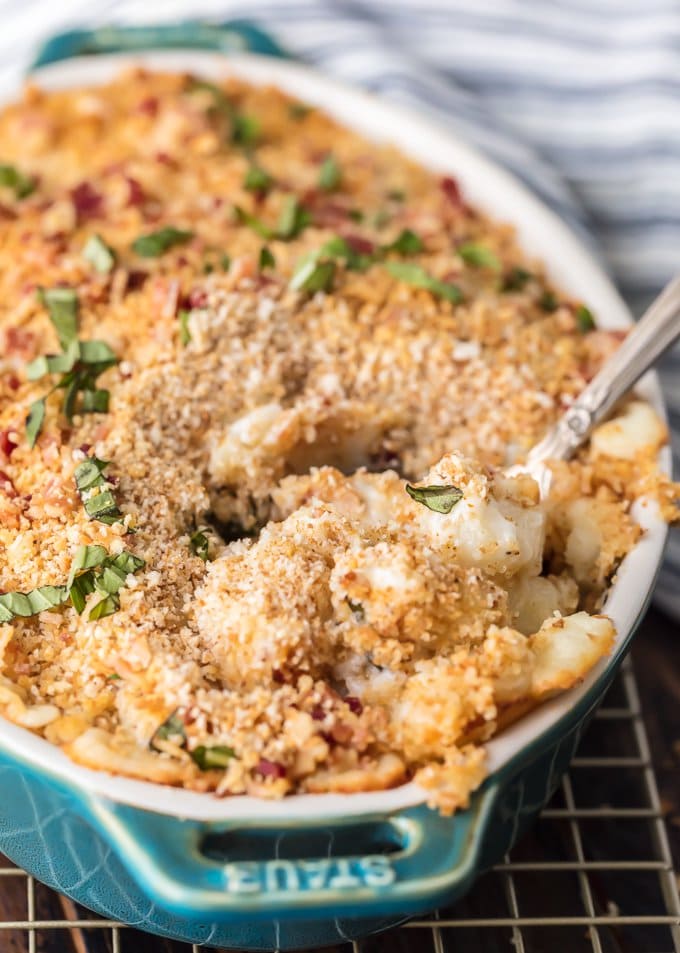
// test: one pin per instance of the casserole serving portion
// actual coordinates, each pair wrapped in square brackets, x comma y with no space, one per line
[260,382]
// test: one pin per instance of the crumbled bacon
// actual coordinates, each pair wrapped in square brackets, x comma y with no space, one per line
[318,713]
[87,202]
[165,159]
[148,106]
[451,190]
[354,704]
[359,244]
[13,382]
[136,194]
[271,769]
[18,341]
[6,486]
[197,298]
[8,443]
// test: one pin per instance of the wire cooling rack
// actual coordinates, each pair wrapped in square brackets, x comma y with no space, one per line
[593,874]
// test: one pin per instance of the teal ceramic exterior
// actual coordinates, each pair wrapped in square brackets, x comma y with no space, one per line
[253,884]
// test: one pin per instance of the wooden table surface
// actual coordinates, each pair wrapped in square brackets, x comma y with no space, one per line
[657,668]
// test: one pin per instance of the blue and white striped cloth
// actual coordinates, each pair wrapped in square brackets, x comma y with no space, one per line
[580,98]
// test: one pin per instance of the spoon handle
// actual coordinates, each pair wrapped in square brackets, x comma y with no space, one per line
[657,329]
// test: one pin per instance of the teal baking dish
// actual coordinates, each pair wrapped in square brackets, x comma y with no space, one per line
[308,870]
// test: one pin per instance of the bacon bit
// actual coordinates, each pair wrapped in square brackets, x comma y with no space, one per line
[354,704]
[147,106]
[85,448]
[136,194]
[359,244]
[330,214]
[8,443]
[136,280]
[217,201]
[271,769]
[197,298]
[13,383]
[182,260]
[7,213]
[86,201]
[19,341]
[318,713]
[7,486]
[451,190]
[278,677]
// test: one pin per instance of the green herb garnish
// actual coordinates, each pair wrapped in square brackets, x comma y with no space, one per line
[548,301]
[11,178]
[416,276]
[396,195]
[516,279]
[225,262]
[441,499]
[184,332]
[299,110]
[199,543]
[62,305]
[293,219]
[218,756]
[266,259]
[407,243]
[329,174]
[99,254]
[584,319]
[156,243]
[171,730]
[34,421]
[479,256]
[356,215]
[244,129]
[92,569]
[102,506]
[257,179]
[313,275]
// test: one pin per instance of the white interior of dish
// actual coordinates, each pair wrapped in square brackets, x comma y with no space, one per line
[570,265]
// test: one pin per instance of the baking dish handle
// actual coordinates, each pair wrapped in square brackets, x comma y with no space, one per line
[401,863]
[232,36]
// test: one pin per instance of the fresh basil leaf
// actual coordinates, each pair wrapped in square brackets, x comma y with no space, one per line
[106,607]
[80,589]
[99,254]
[266,259]
[407,243]
[34,421]
[102,506]
[127,562]
[245,129]
[293,219]
[313,275]
[11,178]
[584,319]
[479,256]
[199,543]
[218,756]
[516,279]
[184,332]
[416,276]
[156,243]
[89,473]
[548,301]
[25,604]
[257,225]
[172,730]
[441,499]
[329,174]
[52,363]
[86,557]
[94,402]
[97,354]
[62,305]
[257,179]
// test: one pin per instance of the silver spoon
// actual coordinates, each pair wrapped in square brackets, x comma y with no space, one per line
[654,333]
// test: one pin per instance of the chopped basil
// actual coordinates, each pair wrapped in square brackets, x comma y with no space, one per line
[257,179]
[407,243]
[101,506]
[257,225]
[184,332]
[396,195]
[92,569]
[156,243]
[356,215]
[299,110]
[34,421]
[199,543]
[113,677]
[479,256]
[62,305]
[584,319]
[356,609]
[11,178]
[245,130]
[99,254]
[171,730]
[266,259]
[329,174]
[339,247]
[313,275]
[441,499]
[225,262]
[293,219]
[548,301]
[516,279]
[416,276]
[218,756]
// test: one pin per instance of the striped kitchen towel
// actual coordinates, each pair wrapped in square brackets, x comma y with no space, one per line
[580,98]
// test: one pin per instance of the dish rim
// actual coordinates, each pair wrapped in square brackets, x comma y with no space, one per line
[572,266]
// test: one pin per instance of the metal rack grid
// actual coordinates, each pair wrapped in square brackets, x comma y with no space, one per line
[594,874]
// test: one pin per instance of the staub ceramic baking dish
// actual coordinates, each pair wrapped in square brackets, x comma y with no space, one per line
[310,869]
